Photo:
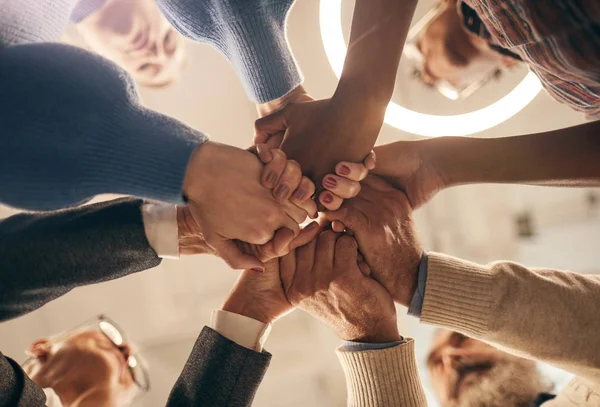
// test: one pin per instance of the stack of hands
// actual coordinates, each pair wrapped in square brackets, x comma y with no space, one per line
[349,267]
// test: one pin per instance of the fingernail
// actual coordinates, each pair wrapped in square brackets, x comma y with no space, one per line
[299,195]
[330,182]
[344,170]
[258,270]
[271,178]
[281,191]
[327,198]
[311,226]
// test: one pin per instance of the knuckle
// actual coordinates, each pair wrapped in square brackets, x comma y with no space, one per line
[278,155]
[354,188]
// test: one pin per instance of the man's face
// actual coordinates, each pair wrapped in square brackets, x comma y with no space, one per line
[84,363]
[136,36]
[466,372]
[452,54]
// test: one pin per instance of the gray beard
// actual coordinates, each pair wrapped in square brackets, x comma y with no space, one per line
[511,383]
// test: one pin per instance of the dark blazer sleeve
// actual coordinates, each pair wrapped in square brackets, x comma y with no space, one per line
[219,373]
[16,388]
[45,255]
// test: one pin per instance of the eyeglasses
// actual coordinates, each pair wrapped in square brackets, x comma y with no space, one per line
[137,367]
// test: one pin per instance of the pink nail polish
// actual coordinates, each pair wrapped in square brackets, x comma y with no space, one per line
[258,270]
[330,182]
[327,198]
[344,170]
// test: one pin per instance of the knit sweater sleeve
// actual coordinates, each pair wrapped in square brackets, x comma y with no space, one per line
[383,377]
[250,33]
[71,127]
[547,315]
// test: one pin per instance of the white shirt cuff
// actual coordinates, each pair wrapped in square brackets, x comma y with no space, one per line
[160,224]
[244,331]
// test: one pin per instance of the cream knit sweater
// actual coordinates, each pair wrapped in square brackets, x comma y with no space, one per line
[547,315]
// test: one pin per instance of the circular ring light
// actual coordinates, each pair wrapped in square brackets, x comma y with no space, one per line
[420,123]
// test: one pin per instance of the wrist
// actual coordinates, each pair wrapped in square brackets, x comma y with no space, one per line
[364,97]
[407,282]
[455,159]
[188,234]
[248,307]
[296,95]
[381,335]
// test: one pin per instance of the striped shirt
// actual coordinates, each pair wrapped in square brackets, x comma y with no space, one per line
[559,40]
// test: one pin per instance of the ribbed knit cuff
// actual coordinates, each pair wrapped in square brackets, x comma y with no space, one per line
[149,155]
[250,33]
[458,295]
[383,378]
[257,47]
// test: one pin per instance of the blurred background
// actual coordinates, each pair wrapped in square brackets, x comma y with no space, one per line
[163,309]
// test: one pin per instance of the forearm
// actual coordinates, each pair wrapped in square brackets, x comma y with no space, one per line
[541,314]
[43,256]
[72,127]
[565,157]
[250,33]
[219,372]
[378,33]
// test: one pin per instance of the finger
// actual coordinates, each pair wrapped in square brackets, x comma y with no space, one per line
[364,268]
[342,187]
[338,226]
[289,181]
[305,261]
[370,161]
[267,126]
[237,260]
[345,257]
[291,224]
[309,208]
[275,140]
[330,201]
[351,171]
[287,272]
[351,218]
[296,212]
[306,235]
[281,242]
[304,191]
[324,253]
[274,169]
[264,153]
[302,197]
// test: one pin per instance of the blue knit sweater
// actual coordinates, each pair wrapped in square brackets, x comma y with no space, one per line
[71,124]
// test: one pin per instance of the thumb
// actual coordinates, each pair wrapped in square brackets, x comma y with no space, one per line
[236,259]
[267,126]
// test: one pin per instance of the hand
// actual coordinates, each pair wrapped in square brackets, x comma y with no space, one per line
[380,220]
[319,134]
[226,200]
[411,166]
[257,296]
[324,279]
[190,239]
[278,175]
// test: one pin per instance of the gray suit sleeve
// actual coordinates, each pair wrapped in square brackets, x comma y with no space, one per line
[45,255]
[219,373]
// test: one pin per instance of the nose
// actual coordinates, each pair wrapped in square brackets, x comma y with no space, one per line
[126,350]
[451,359]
